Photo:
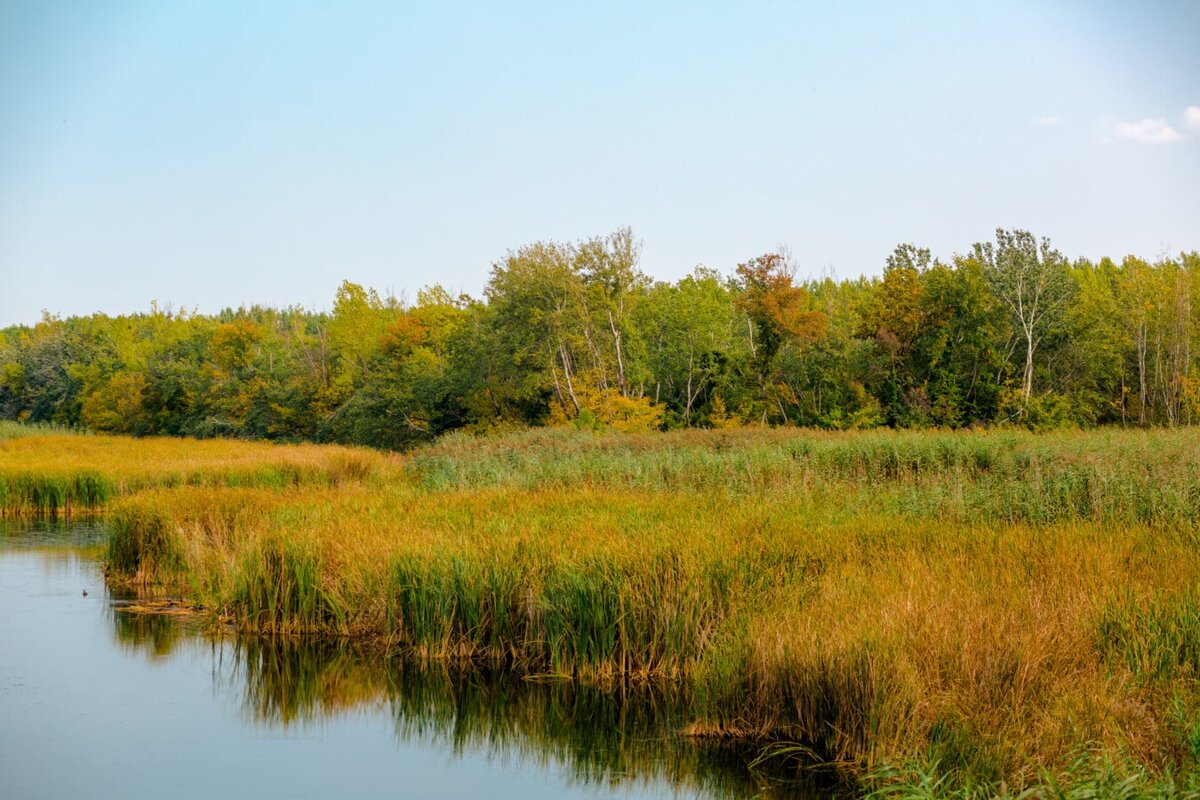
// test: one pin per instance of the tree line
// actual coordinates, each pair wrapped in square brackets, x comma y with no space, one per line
[1009,332]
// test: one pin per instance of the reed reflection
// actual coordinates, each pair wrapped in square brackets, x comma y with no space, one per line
[604,736]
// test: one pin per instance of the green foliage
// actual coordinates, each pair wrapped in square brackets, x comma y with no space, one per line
[576,333]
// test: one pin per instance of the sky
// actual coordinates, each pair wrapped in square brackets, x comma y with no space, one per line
[206,155]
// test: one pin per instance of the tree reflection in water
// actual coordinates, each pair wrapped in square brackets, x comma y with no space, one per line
[609,736]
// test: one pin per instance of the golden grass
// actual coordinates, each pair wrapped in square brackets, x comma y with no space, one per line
[65,474]
[991,604]
[871,640]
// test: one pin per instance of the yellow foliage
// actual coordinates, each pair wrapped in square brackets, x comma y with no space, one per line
[720,417]
[115,406]
[606,407]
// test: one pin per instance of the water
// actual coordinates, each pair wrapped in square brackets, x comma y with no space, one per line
[96,702]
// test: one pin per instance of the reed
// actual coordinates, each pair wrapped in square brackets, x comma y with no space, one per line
[12,430]
[871,641]
[1007,475]
[55,473]
[976,607]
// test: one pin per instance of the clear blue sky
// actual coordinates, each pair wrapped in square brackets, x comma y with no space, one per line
[218,154]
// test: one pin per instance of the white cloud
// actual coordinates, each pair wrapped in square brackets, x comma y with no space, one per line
[1048,121]
[1191,118]
[1148,131]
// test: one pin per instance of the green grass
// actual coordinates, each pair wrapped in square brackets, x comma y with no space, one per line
[1087,776]
[1008,475]
[1156,639]
[13,430]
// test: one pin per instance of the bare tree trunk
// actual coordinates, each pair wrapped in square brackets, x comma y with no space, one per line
[1180,350]
[566,364]
[562,401]
[687,408]
[1143,391]
[1028,388]
[1027,379]
[620,361]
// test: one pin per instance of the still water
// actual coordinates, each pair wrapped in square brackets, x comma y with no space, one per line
[96,702]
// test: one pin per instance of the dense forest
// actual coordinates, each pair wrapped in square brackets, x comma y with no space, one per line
[1009,332]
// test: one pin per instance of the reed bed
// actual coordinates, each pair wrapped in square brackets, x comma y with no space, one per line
[991,651]
[1002,475]
[56,473]
[979,613]
[13,430]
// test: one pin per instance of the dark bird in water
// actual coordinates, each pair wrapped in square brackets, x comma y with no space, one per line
[85,592]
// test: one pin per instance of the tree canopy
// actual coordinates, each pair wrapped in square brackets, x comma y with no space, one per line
[1010,331]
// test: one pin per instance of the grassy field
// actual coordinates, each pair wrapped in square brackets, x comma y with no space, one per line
[943,613]
[51,472]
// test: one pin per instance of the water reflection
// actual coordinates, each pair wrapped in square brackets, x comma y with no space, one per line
[60,541]
[156,635]
[604,737]
[624,740]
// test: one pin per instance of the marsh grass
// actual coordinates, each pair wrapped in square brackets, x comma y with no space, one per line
[1006,475]
[991,649]
[1157,639]
[976,606]
[54,473]
[13,430]
[1089,775]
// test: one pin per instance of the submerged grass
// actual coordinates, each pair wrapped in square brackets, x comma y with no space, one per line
[959,614]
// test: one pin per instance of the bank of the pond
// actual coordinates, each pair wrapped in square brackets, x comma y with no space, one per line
[973,609]
[294,717]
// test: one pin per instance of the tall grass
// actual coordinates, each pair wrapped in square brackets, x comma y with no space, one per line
[566,586]
[12,430]
[870,641]
[989,603]
[55,473]
[1106,475]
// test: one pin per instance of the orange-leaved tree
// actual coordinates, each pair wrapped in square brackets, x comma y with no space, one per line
[779,314]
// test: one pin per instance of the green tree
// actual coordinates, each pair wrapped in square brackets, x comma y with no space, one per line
[1030,279]
[779,315]
[893,317]
[689,330]
[957,353]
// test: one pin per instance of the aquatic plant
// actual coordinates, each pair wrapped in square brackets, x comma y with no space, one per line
[975,607]
[56,473]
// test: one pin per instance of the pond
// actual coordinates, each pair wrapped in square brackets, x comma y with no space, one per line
[96,701]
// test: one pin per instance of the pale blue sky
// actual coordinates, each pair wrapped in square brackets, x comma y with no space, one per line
[218,154]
